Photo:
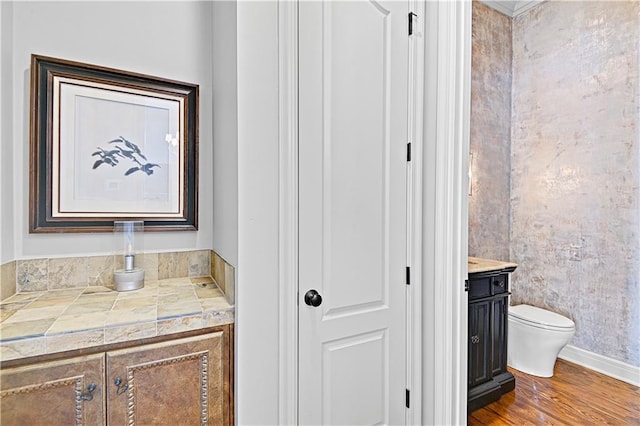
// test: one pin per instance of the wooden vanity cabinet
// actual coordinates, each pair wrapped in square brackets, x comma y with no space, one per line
[65,392]
[487,375]
[185,381]
[170,383]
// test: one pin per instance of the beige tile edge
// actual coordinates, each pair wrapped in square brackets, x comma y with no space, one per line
[7,280]
[223,274]
[60,342]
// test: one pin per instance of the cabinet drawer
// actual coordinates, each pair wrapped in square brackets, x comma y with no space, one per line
[479,287]
[500,284]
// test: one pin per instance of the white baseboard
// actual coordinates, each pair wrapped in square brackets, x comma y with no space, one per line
[602,364]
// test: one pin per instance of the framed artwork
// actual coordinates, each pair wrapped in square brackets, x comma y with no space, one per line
[110,145]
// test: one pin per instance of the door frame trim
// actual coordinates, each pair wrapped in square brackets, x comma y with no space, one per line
[288,211]
[445,211]
[415,215]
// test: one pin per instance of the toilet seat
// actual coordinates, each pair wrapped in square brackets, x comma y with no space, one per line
[540,318]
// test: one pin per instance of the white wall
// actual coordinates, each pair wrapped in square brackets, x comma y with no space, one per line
[225,131]
[257,327]
[165,39]
[7,241]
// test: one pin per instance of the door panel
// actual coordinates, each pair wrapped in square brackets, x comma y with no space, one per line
[352,213]
[363,398]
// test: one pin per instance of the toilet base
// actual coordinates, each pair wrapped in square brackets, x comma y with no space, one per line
[544,372]
[536,337]
[536,355]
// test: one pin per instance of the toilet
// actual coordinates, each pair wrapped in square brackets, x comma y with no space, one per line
[535,338]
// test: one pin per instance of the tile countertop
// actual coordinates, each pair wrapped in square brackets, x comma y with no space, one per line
[477,264]
[38,323]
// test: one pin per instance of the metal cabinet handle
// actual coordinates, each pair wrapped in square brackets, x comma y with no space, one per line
[121,389]
[88,394]
[475,339]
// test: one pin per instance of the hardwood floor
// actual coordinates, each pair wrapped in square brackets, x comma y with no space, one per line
[573,396]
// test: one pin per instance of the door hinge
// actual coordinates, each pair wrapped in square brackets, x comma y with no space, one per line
[409,151]
[407,397]
[408,275]
[466,285]
[411,16]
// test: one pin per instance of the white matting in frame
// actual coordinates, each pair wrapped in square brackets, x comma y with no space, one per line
[116,151]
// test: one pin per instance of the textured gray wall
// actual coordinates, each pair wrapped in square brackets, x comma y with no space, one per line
[490,133]
[568,175]
[575,153]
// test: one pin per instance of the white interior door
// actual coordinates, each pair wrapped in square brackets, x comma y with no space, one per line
[353,66]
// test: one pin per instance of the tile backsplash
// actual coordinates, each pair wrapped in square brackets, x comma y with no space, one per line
[7,280]
[223,274]
[76,272]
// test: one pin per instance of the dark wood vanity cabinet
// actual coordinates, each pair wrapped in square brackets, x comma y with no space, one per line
[488,378]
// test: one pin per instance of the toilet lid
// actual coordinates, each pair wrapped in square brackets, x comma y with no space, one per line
[543,317]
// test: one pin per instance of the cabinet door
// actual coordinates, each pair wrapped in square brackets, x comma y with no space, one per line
[479,343]
[67,392]
[499,336]
[180,382]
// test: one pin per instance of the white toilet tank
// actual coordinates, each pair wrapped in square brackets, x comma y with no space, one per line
[535,338]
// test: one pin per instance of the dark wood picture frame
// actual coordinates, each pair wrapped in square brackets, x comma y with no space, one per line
[59,127]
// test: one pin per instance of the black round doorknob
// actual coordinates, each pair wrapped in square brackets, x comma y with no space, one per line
[312,298]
